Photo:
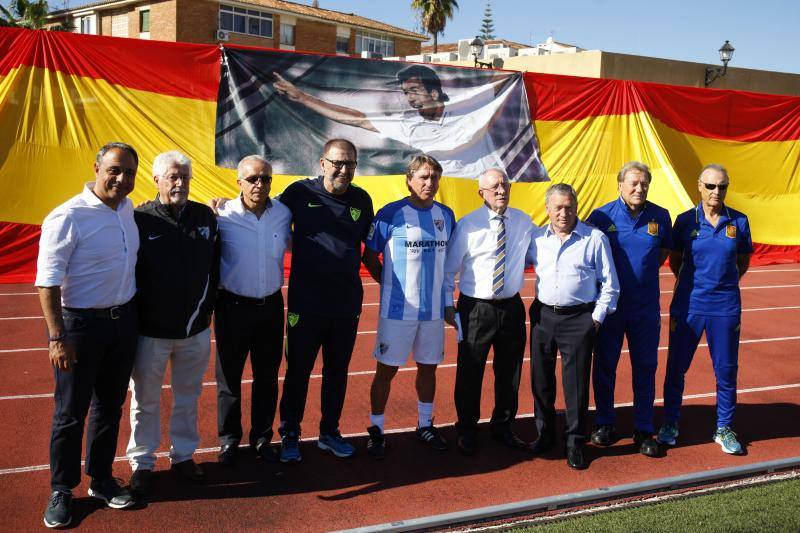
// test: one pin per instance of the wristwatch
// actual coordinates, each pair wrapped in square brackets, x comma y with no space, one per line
[57,337]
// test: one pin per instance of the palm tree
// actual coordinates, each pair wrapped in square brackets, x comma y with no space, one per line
[25,14]
[433,16]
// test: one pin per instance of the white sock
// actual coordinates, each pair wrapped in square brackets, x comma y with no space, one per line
[425,411]
[376,420]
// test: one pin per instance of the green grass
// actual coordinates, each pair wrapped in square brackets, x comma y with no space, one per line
[773,507]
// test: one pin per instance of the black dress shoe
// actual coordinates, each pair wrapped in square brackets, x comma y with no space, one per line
[467,444]
[647,444]
[541,445]
[141,482]
[575,458]
[189,471]
[604,435]
[508,438]
[228,453]
[266,450]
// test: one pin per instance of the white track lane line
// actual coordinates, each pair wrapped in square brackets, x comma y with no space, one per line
[38,468]
[531,278]
[401,369]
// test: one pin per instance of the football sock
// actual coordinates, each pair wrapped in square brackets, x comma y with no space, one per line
[425,411]
[376,420]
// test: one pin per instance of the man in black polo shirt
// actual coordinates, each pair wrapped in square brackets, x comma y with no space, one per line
[176,273]
[331,219]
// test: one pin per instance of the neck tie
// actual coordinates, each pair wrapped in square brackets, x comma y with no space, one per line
[498,280]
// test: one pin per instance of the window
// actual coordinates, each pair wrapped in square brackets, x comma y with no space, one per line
[287,34]
[342,44]
[247,21]
[374,42]
[85,24]
[144,20]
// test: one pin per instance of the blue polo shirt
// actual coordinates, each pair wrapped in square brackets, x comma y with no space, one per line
[636,244]
[708,283]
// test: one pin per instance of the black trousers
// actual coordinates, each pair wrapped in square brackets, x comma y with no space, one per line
[242,326]
[336,337]
[105,348]
[498,324]
[573,335]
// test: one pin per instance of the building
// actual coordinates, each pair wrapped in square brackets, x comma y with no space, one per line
[553,57]
[266,23]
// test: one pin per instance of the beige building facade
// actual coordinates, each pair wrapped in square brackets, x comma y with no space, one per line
[264,23]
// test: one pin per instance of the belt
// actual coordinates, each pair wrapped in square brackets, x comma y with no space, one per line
[567,310]
[245,300]
[490,301]
[113,313]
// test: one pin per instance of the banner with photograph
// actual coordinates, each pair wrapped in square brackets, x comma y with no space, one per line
[285,106]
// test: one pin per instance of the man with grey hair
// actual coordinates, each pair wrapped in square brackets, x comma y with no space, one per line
[576,288]
[254,234]
[640,234]
[488,250]
[176,272]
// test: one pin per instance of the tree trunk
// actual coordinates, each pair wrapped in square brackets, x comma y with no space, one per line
[435,42]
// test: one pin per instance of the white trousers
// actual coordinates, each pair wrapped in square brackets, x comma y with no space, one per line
[188,361]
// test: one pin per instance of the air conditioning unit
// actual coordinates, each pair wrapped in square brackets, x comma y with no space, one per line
[223,35]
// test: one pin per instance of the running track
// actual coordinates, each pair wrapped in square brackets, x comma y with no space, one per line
[324,493]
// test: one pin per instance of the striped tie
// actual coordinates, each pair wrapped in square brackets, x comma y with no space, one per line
[498,280]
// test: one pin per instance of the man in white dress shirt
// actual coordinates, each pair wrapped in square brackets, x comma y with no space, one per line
[576,287]
[488,250]
[86,282]
[254,234]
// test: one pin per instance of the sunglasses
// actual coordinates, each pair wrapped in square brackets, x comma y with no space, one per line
[339,164]
[263,178]
[712,186]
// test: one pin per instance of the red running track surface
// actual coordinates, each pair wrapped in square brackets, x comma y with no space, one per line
[324,493]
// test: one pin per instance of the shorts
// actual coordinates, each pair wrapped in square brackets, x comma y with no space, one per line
[398,338]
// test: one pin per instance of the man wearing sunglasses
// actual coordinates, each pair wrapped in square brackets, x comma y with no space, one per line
[711,252]
[331,220]
[254,234]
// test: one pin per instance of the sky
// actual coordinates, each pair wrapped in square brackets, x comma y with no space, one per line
[764,32]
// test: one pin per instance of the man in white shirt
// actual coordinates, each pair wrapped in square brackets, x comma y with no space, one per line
[576,287]
[254,234]
[86,282]
[488,250]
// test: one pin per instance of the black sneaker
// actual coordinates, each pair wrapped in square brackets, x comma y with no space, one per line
[110,492]
[59,509]
[376,444]
[430,436]
[604,435]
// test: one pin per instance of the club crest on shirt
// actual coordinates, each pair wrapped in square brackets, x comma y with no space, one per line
[205,231]
[693,234]
[355,213]
[383,347]
[652,228]
[439,223]
[371,231]
[612,228]
[293,319]
[730,231]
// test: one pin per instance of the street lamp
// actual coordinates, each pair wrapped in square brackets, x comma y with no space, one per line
[476,48]
[725,55]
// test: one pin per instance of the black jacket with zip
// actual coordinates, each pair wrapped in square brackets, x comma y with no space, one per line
[177,269]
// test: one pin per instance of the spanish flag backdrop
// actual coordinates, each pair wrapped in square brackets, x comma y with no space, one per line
[63,95]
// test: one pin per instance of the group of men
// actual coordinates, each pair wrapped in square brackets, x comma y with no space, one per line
[126,291]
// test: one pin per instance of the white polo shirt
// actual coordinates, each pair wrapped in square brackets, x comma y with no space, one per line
[251,263]
[89,250]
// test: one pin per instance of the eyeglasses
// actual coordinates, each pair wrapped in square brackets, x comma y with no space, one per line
[712,186]
[503,185]
[339,164]
[266,179]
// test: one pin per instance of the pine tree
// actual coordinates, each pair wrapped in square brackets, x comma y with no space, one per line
[487,26]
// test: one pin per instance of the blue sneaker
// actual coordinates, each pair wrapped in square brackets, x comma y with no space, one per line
[336,444]
[668,434]
[726,438]
[290,447]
